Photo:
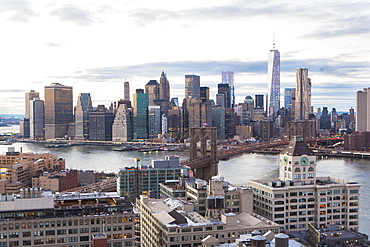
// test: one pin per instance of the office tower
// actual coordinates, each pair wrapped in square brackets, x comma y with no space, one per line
[185,119]
[351,117]
[362,109]
[164,88]
[32,94]
[225,90]
[273,81]
[220,99]
[259,101]
[58,110]
[152,90]
[140,114]
[154,121]
[204,94]
[174,122]
[333,116]
[302,94]
[301,198]
[100,124]
[218,120]
[122,125]
[200,114]
[37,117]
[229,122]
[24,127]
[82,110]
[228,78]
[126,91]
[288,97]
[192,86]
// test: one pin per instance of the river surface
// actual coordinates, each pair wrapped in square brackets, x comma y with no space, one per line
[238,170]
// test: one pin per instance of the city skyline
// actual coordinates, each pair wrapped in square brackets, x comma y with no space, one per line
[96,47]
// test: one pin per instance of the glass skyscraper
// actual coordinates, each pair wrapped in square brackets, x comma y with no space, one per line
[273,81]
[140,113]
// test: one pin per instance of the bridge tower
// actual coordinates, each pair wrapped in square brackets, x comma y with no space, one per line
[210,166]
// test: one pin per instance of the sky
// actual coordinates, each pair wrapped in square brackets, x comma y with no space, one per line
[94,46]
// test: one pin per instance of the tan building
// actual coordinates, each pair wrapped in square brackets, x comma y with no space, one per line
[172,222]
[56,181]
[66,220]
[299,197]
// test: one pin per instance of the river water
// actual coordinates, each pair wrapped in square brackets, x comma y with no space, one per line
[238,170]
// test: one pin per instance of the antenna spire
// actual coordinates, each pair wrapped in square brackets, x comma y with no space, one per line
[273,39]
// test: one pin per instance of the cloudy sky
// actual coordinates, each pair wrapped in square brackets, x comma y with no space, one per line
[95,46]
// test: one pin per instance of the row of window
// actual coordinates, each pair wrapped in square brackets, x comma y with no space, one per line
[60,240]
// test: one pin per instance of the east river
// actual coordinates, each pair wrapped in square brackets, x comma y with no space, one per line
[238,170]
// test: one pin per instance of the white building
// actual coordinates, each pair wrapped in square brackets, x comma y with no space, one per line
[299,197]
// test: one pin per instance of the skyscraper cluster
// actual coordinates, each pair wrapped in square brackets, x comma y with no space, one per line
[151,113]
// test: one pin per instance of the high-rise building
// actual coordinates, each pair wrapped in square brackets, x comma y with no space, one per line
[37,123]
[302,94]
[192,86]
[225,90]
[174,122]
[164,88]
[299,198]
[100,124]
[220,99]
[218,120]
[228,78]
[273,81]
[288,97]
[154,121]
[363,110]
[58,110]
[32,94]
[140,114]
[126,91]
[122,125]
[200,114]
[152,90]
[82,110]
[204,94]
[259,101]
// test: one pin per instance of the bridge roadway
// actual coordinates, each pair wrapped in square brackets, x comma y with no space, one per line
[247,148]
[102,185]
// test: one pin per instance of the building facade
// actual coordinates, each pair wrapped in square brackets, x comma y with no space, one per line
[192,86]
[58,110]
[122,125]
[82,111]
[228,78]
[140,114]
[362,110]
[299,198]
[302,95]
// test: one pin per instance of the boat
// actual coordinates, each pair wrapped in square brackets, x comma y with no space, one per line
[127,148]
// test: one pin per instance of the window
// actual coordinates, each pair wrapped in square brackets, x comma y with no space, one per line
[73,231]
[297,170]
[297,176]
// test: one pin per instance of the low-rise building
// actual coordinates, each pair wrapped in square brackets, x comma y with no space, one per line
[172,222]
[56,181]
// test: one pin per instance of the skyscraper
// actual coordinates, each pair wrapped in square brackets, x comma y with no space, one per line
[273,81]
[362,110]
[288,97]
[126,91]
[58,110]
[259,101]
[154,121]
[302,94]
[164,88]
[37,123]
[100,124]
[152,90]
[225,90]
[192,86]
[122,125]
[32,94]
[83,108]
[204,94]
[228,78]
[140,114]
